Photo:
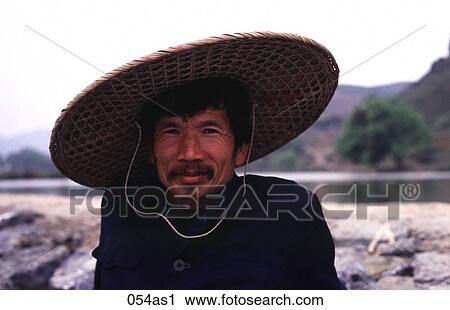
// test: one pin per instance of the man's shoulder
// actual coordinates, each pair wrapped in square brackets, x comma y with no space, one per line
[274,184]
[267,180]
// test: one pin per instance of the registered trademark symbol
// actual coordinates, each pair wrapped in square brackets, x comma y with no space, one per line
[410,191]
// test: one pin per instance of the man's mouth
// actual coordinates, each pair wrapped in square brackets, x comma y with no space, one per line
[192,177]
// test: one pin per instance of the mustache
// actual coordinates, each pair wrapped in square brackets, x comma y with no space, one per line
[191,168]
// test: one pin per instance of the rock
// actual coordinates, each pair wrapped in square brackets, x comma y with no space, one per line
[433,241]
[350,269]
[36,273]
[377,264]
[77,272]
[15,217]
[71,240]
[401,247]
[432,268]
[28,240]
[31,249]
[395,283]
[355,278]
[403,270]
[346,256]
[20,237]
[401,230]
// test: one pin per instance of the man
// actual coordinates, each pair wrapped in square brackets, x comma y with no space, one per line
[183,219]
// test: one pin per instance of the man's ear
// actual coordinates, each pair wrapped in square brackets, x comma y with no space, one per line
[241,155]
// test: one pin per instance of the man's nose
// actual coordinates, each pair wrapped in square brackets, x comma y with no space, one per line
[189,148]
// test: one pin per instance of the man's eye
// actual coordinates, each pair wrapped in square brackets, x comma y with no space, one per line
[171,131]
[209,131]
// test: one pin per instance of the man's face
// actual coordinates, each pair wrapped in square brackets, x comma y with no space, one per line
[196,150]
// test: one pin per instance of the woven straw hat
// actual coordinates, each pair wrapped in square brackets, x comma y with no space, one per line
[289,77]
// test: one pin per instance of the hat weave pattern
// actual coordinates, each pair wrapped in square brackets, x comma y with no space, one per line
[291,79]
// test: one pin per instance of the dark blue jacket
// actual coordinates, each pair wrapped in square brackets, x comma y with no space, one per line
[291,250]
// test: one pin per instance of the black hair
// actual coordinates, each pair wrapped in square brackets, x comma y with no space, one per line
[197,96]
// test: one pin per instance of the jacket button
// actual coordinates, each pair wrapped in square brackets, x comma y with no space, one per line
[180,265]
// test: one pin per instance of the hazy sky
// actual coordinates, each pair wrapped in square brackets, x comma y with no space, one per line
[38,79]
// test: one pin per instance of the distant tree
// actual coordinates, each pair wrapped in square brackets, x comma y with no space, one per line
[30,161]
[381,129]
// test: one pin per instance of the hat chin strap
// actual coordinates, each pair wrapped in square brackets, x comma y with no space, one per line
[160,214]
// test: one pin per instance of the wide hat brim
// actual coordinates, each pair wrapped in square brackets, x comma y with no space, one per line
[290,78]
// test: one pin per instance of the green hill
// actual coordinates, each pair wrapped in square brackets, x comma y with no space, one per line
[431,95]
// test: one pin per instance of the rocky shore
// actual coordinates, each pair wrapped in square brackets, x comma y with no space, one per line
[45,245]
[412,252]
